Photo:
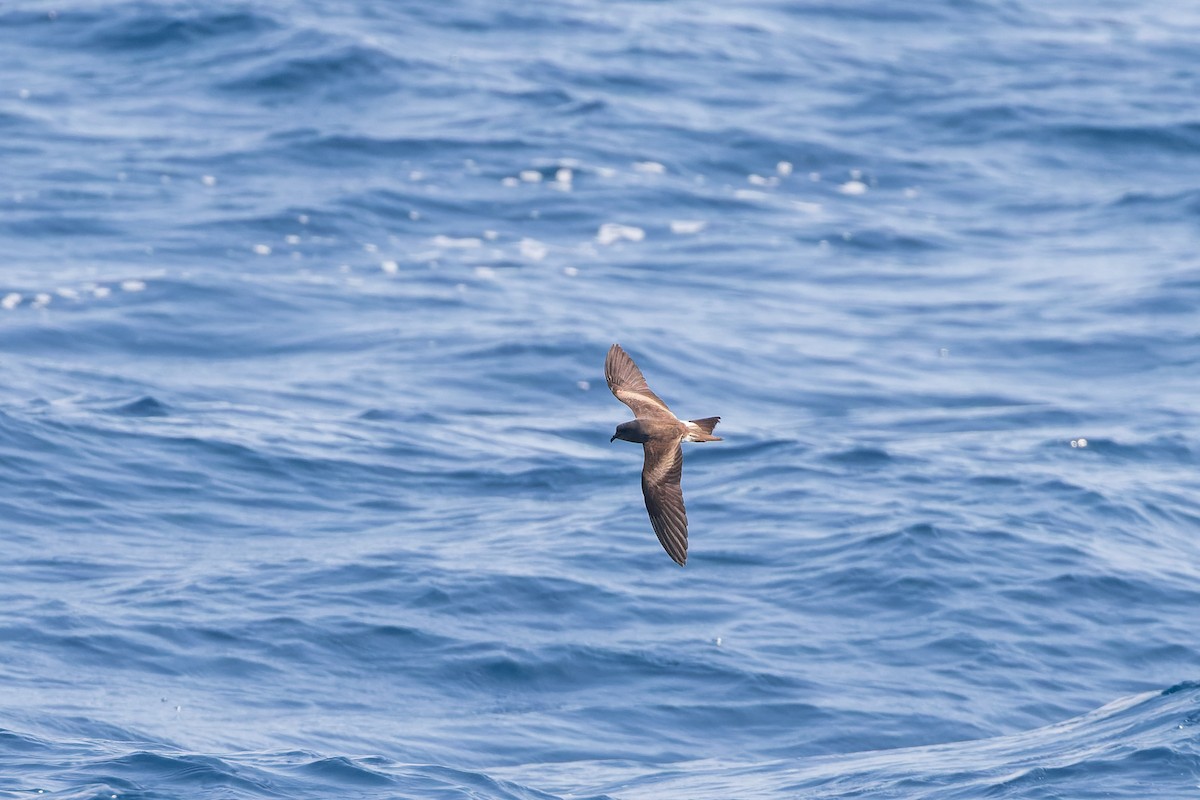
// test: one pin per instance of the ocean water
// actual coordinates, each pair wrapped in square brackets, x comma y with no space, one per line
[306,487]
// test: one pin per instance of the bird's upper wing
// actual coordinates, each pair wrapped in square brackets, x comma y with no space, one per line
[664,496]
[626,382]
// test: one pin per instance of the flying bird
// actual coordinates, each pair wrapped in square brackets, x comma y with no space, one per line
[661,435]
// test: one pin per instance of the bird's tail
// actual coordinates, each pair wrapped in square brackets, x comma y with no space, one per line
[700,430]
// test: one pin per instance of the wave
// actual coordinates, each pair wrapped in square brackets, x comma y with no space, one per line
[135,768]
[1115,751]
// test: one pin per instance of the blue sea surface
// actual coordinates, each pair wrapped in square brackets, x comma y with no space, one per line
[306,487]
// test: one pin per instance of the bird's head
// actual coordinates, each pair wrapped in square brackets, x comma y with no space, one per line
[631,432]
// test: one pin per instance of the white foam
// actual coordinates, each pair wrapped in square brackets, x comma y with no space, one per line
[23,94]
[583,385]
[302,219]
[209,180]
[570,272]
[491,236]
[262,249]
[67,293]
[510,181]
[853,188]
[533,249]
[414,215]
[416,175]
[487,273]
[686,226]
[649,167]
[10,301]
[784,168]
[292,239]
[815,177]
[759,180]
[449,242]
[911,193]
[41,300]
[101,291]
[133,285]
[371,248]
[807,207]
[564,175]
[750,194]
[531,176]
[613,232]
[605,172]
[389,266]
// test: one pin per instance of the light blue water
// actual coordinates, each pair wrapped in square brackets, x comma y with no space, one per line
[307,488]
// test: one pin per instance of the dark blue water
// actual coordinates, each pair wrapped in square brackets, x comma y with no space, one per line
[306,487]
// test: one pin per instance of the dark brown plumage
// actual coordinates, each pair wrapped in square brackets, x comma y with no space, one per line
[661,435]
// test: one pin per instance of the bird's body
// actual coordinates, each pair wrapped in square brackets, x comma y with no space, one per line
[661,435]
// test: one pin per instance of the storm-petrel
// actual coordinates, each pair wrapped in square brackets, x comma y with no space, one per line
[661,435]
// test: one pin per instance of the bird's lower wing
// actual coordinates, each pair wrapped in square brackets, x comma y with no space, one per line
[664,496]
